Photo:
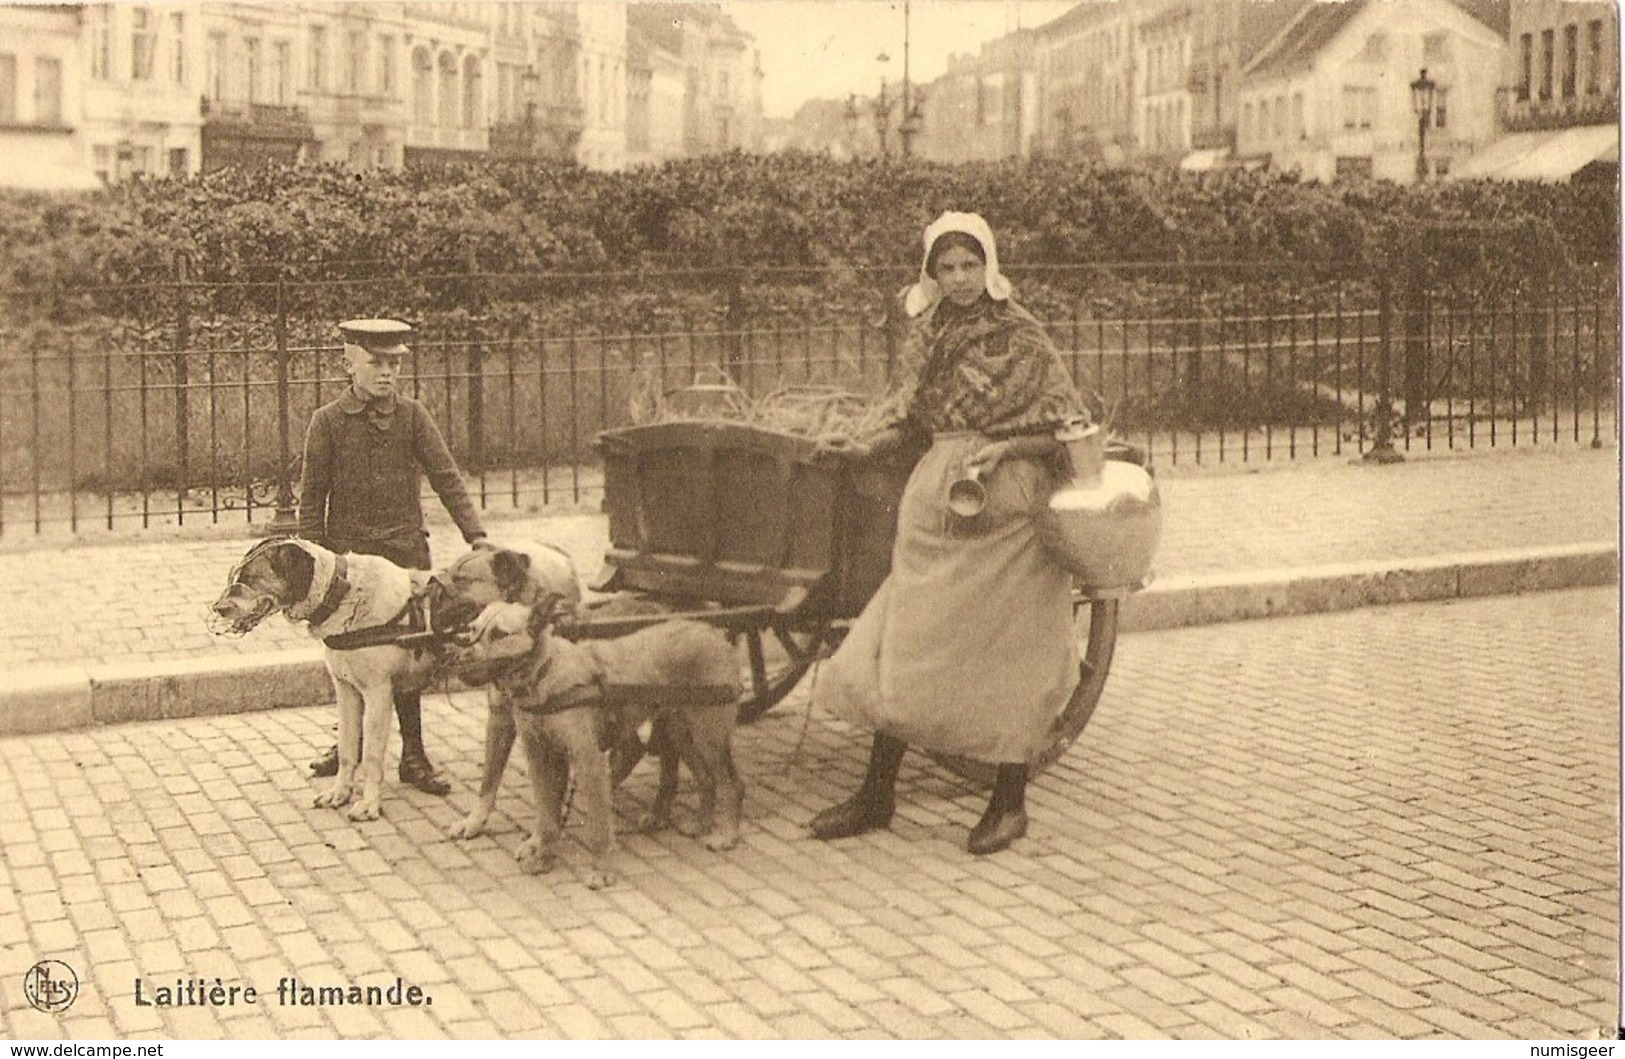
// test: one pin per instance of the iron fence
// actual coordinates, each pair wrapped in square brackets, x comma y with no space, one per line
[186,402]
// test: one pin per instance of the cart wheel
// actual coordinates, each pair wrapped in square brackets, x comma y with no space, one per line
[1100,641]
[777,666]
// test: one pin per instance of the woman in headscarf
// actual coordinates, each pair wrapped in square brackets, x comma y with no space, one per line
[968,647]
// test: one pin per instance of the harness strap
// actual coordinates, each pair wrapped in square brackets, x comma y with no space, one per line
[407,621]
[337,588]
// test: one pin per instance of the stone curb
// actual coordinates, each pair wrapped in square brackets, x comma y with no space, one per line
[1178,602]
[82,697]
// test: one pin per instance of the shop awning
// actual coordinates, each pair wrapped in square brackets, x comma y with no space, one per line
[1551,156]
[1205,159]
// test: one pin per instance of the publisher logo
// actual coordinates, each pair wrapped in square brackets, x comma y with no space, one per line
[51,986]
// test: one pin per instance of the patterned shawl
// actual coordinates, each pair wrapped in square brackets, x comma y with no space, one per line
[988,367]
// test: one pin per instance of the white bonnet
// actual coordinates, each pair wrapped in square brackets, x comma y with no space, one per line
[924,294]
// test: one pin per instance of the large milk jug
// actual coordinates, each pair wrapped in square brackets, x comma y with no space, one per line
[1103,525]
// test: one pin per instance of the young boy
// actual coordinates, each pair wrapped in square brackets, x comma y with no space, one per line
[364,456]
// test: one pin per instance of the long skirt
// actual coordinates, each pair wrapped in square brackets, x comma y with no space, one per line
[968,647]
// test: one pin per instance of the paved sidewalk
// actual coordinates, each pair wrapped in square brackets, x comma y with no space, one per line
[112,631]
[1387,823]
[144,600]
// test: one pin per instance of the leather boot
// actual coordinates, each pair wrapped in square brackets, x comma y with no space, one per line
[871,808]
[1006,817]
[415,769]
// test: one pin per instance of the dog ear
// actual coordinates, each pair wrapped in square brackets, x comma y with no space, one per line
[543,614]
[511,570]
[295,566]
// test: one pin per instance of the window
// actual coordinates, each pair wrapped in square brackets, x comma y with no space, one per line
[1299,129]
[1571,59]
[102,162]
[1246,120]
[473,93]
[1376,47]
[281,67]
[1436,47]
[251,69]
[177,48]
[48,91]
[1546,40]
[448,91]
[386,66]
[177,161]
[1279,128]
[143,44]
[355,71]
[1526,65]
[1352,168]
[422,88]
[1594,63]
[8,88]
[318,58]
[215,63]
[1441,107]
[101,42]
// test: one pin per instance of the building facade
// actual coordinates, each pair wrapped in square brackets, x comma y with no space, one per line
[42,141]
[98,93]
[1331,95]
[1085,66]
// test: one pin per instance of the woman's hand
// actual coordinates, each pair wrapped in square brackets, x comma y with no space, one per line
[985,459]
[839,445]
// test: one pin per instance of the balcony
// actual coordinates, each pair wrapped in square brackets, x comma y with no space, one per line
[267,117]
[1536,115]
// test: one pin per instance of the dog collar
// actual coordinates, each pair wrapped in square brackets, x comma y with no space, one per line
[336,589]
[338,585]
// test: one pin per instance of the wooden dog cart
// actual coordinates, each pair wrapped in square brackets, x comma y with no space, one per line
[743,527]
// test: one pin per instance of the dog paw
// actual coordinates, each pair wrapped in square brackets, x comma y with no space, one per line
[533,859]
[694,827]
[366,809]
[333,797]
[469,826]
[717,841]
[645,824]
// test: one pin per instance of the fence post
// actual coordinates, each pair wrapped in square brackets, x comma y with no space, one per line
[1416,345]
[1540,349]
[736,323]
[183,341]
[1382,443]
[476,379]
[287,518]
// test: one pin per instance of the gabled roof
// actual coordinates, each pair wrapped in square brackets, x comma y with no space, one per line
[1321,21]
[1295,48]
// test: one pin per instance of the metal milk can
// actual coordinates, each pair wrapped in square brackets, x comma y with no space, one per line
[1103,525]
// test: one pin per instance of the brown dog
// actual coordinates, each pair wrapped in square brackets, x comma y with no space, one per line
[570,701]
[335,595]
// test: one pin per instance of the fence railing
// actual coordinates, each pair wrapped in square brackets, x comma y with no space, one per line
[187,403]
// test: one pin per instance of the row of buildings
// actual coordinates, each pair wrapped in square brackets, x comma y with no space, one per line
[95,93]
[1396,89]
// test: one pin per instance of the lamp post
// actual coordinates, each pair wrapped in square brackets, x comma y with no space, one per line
[1423,96]
[883,109]
[530,84]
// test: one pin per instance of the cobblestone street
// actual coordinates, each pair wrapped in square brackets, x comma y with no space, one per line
[1391,822]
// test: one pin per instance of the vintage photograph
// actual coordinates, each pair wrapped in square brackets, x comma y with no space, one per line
[810,520]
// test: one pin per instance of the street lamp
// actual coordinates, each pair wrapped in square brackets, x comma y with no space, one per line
[1424,93]
[530,85]
[883,107]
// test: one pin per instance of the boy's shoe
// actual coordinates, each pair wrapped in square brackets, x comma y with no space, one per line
[327,764]
[416,772]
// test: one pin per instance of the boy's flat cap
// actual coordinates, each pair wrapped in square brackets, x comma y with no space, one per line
[375,334]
